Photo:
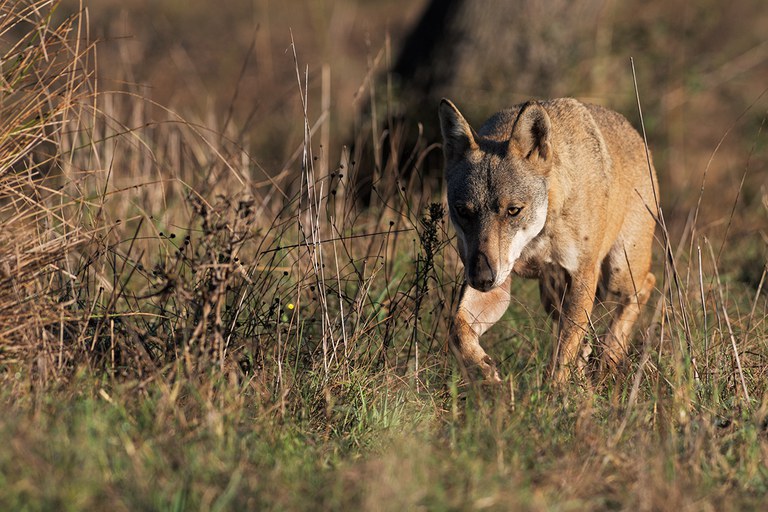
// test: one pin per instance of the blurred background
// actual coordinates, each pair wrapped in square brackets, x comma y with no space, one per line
[702,73]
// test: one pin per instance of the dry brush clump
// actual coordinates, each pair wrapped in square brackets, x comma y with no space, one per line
[146,244]
[44,77]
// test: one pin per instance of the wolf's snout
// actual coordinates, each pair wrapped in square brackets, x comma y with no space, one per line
[481,275]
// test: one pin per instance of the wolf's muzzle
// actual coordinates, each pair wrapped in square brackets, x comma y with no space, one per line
[481,275]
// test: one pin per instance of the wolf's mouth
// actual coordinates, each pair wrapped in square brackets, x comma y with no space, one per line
[483,287]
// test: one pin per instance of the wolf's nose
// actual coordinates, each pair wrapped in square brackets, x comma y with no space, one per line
[484,276]
[485,283]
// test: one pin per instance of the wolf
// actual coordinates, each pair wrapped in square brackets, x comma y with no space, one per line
[560,191]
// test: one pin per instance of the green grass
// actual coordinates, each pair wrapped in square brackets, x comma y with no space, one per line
[371,441]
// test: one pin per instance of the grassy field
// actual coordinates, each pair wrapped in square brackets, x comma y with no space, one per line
[187,325]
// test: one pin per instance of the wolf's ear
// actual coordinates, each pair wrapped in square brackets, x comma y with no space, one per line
[531,133]
[458,136]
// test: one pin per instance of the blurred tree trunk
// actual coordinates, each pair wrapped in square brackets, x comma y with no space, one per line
[488,54]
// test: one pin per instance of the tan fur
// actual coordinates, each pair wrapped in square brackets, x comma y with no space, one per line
[561,192]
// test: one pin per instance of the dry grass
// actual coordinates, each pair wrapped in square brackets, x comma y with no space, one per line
[45,77]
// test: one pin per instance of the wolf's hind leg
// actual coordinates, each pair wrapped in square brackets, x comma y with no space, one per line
[631,298]
[477,312]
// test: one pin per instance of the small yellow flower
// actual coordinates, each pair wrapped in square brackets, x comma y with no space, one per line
[290,305]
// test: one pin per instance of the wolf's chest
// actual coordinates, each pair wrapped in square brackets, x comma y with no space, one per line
[544,251]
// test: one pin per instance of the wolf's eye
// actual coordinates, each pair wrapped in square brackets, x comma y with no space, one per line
[461,210]
[514,211]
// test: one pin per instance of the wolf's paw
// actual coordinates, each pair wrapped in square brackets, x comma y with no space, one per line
[561,375]
[571,374]
[611,362]
[489,370]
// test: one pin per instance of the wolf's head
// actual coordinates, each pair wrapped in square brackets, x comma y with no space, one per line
[497,189]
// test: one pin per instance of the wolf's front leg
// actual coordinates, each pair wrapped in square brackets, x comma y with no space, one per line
[574,322]
[477,312]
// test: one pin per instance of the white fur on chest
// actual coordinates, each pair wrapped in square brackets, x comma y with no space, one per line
[566,254]
[547,250]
